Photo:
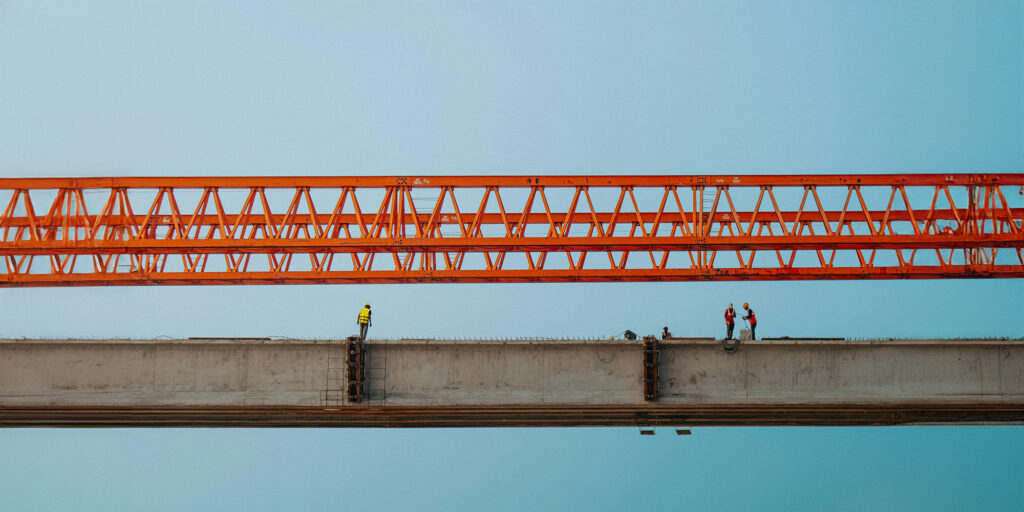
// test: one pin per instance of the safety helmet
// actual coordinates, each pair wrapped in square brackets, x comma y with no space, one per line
[367,304]
[744,305]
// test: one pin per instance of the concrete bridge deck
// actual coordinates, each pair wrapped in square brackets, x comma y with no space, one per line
[430,383]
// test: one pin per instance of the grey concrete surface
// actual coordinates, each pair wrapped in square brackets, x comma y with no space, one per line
[429,373]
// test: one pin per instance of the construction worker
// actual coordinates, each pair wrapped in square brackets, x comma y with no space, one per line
[364,321]
[730,321]
[753,320]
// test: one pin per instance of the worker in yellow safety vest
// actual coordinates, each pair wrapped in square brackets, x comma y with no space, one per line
[364,321]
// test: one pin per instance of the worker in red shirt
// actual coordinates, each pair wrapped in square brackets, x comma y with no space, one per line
[753,320]
[730,321]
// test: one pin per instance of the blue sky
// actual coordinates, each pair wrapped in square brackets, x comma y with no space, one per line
[318,88]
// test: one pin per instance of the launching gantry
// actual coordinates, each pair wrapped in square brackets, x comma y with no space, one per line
[457,229]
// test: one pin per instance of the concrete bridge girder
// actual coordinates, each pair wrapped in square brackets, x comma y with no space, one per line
[248,382]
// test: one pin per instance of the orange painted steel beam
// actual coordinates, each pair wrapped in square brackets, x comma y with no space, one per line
[523,276]
[750,180]
[485,219]
[299,230]
[442,245]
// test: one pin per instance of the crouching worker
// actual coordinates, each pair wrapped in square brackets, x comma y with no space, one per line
[753,320]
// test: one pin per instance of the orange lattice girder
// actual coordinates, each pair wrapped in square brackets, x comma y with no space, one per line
[112,231]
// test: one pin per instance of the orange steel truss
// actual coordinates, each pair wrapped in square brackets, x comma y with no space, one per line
[372,229]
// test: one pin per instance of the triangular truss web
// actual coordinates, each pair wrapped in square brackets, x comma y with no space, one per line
[508,229]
